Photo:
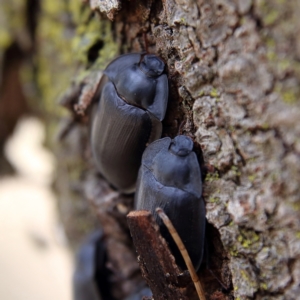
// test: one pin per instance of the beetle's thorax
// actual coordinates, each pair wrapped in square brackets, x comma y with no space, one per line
[152,65]
[135,87]
[172,166]
[171,170]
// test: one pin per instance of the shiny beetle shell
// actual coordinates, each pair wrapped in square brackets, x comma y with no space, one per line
[170,178]
[132,105]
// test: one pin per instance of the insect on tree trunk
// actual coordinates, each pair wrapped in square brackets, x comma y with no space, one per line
[233,69]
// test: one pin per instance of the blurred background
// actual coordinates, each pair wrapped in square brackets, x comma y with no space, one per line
[35,260]
[39,42]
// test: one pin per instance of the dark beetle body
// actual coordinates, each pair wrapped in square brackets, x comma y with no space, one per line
[128,118]
[170,178]
[90,280]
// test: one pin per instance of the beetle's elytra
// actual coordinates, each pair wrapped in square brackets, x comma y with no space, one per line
[132,105]
[90,280]
[170,178]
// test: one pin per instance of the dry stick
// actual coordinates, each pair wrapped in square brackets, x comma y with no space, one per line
[183,252]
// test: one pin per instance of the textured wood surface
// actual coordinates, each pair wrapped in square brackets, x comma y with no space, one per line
[155,259]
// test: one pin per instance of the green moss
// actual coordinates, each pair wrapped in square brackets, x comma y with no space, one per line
[5,38]
[246,243]
[70,51]
[265,126]
[268,12]
[65,58]
[56,63]
[247,238]
[271,17]
[201,93]
[231,128]
[95,32]
[53,7]
[214,93]
[263,286]
[182,21]
[214,200]
[233,252]
[284,64]
[235,171]
[251,160]
[271,55]
[289,97]
[246,277]
[296,206]
[263,275]
[270,43]
[252,178]
[212,176]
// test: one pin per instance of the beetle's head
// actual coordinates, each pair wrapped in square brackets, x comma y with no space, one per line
[181,145]
[151,65]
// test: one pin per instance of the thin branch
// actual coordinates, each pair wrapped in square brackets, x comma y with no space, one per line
[183,252]
[155,259]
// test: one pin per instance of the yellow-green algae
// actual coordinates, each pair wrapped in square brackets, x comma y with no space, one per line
[214,199]
[233,251]
[214,93]
[252,178]
[64,46]
[247,238]
[247,278]
[263,286]
[212,176]
[235,171]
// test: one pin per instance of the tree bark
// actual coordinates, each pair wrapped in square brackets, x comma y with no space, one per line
[234,72]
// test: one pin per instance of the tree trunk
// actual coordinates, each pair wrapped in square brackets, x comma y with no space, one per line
[234,72]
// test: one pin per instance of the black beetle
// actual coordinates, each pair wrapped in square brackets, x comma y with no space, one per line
[132,105]
[90,280]
[170,178]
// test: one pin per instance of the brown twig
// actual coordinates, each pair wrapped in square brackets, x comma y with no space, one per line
[155,259]
[183,252]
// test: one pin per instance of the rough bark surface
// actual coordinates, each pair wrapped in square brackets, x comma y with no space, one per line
[234,72]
